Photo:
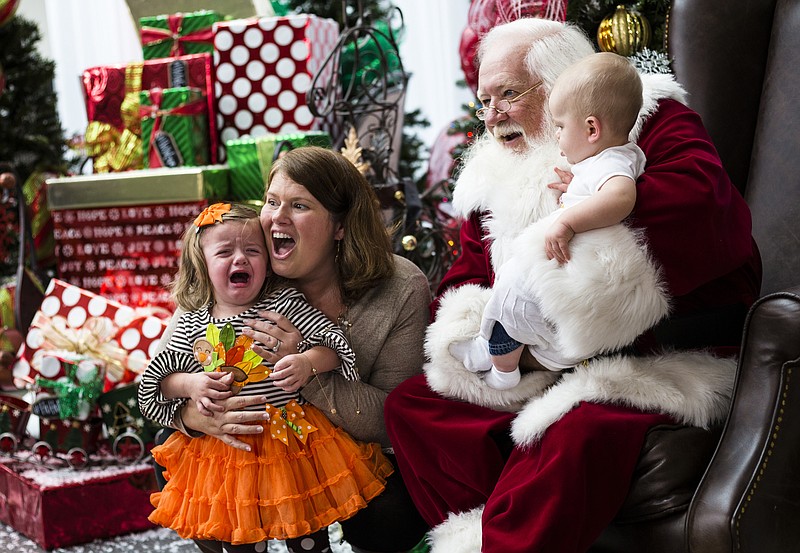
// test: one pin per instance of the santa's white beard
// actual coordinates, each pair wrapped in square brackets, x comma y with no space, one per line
[511,185]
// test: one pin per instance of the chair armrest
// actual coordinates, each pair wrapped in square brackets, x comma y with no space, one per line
[749,498]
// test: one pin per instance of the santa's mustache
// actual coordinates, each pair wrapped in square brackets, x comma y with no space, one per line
[502,130]
[545,135]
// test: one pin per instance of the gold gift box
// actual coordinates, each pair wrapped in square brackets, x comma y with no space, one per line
[149,186]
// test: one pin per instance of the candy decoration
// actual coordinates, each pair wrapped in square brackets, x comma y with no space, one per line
[7,10]
[624,32]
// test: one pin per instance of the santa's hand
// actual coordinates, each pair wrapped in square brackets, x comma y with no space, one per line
[474,354]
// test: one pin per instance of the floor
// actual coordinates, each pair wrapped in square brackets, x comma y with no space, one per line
[155,541]
[160,540]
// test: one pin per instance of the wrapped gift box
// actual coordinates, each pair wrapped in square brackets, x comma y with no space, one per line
[174,127]
[112,105]
[120,411]
[119,234]
[250,160]
[177,34]
[59,508]
[264,67]
[67,315]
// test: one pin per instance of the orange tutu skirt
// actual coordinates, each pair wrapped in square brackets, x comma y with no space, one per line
[283,488]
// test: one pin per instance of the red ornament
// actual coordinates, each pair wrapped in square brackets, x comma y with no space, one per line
[485,14]
[7,10]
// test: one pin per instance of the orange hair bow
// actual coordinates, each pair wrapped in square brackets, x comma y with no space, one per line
[210,215]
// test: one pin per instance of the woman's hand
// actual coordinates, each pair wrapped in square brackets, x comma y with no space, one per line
[226,425]
[275,335]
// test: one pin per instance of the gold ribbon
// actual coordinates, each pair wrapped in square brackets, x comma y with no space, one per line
[112,150]
[93,339]
[288,421]
[7,309]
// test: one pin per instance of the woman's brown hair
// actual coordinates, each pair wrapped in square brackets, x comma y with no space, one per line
[365,251]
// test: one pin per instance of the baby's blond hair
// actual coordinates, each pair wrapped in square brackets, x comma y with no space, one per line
[607,86]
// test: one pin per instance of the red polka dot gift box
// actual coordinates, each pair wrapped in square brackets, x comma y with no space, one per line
[71,320]
[263,69]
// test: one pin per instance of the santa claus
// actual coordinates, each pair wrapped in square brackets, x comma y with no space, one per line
[684,256]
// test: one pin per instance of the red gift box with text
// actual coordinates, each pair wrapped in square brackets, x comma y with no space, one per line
[67,507]
[263,69]
[119,234]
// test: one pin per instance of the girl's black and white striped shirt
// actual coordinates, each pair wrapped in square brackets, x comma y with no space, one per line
[316,329]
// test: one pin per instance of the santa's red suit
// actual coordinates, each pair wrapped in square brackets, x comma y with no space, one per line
[577,435]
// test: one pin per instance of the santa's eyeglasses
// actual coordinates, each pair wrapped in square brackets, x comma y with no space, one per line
[502,106]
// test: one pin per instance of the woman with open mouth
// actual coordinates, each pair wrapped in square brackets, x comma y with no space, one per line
[326,237]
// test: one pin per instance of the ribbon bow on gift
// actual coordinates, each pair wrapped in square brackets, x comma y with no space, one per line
[288,421]
[111,149]
[74,392]
[93,339]
[155,35]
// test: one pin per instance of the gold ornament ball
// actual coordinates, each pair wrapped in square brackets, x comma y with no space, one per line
[409,242]
[623,32]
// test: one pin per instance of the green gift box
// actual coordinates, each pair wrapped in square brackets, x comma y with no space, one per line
[250,160]
[174,127]
[121,415]
[165,36]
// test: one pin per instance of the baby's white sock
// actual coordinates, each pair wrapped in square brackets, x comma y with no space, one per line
[500,380]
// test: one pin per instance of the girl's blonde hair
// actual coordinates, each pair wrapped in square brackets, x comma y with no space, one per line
[365,252]
[192,287]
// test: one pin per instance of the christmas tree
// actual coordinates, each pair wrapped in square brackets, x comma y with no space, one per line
[31,137]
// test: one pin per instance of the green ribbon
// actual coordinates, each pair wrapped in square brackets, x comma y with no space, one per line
[71,393]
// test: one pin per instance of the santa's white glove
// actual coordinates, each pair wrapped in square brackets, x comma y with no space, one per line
[519,313]
[474,354]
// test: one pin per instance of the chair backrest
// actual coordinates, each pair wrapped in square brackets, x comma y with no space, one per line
[740,62]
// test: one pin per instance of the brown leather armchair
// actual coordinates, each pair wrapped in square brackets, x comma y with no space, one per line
[737,488]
